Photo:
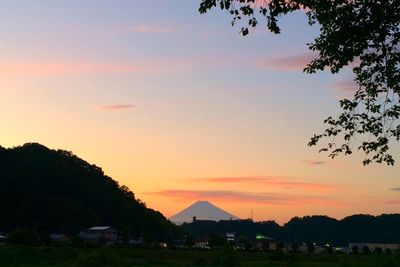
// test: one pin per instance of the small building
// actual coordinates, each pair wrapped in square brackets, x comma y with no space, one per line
[230,237]
[360,247]
[202,242]
[60,239]
[265,243]
[180,243]
[3,239]
[137,242]
[345,250]
[100,234]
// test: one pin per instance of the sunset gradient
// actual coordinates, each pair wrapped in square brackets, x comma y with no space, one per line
[179,107]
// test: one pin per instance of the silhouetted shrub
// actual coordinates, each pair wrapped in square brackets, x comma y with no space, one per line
[388,251]
[23,237]
[9,256]
[200,261]
[310,248]
[277,255]
[102,257]
[388,262]
[378,250]
[217,241]
[328,250]
[45,239]
[291,258]
[366,250]
[228,258]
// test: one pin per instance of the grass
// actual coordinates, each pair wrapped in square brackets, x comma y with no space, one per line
[125,257]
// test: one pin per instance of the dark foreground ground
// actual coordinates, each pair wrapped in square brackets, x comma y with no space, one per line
[125,257]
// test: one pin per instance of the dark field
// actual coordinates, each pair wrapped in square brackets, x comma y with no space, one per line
[115,257]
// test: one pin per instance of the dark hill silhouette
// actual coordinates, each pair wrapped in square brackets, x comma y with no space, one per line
[55,191]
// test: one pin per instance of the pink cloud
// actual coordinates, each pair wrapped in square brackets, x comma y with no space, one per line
[376,200]
[392,202]
[245,197]
[287,63]
[65,68]
[346,88]
[314,162]
[61,68]
[117,107]
[272,181]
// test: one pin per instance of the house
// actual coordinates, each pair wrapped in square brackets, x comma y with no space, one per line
[3,239]
[100,234]
[60,239]
[180,243]
[202,242]
[361,247]
[345,250]
[265,243]
[230,237]
[137,242]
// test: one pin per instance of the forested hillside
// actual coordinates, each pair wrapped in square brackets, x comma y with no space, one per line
[320,229]
[55,191]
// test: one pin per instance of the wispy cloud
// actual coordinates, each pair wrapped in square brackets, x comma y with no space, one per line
[245,197]
[346,88]
[117,107]
[393,202]
[272,181]
[395,189]
[65,68]
[287,63]
[314,162]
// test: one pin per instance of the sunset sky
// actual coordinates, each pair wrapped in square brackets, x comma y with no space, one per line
[179,107]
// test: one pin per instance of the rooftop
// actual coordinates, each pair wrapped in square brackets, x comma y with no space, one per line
[99,228]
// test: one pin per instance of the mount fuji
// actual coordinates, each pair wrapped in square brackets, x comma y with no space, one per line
[202,210]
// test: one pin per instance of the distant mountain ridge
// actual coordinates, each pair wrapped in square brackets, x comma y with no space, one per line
[55,191]
[359,228]
[202,210]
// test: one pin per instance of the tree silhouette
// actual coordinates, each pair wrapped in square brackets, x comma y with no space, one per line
[364,33]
